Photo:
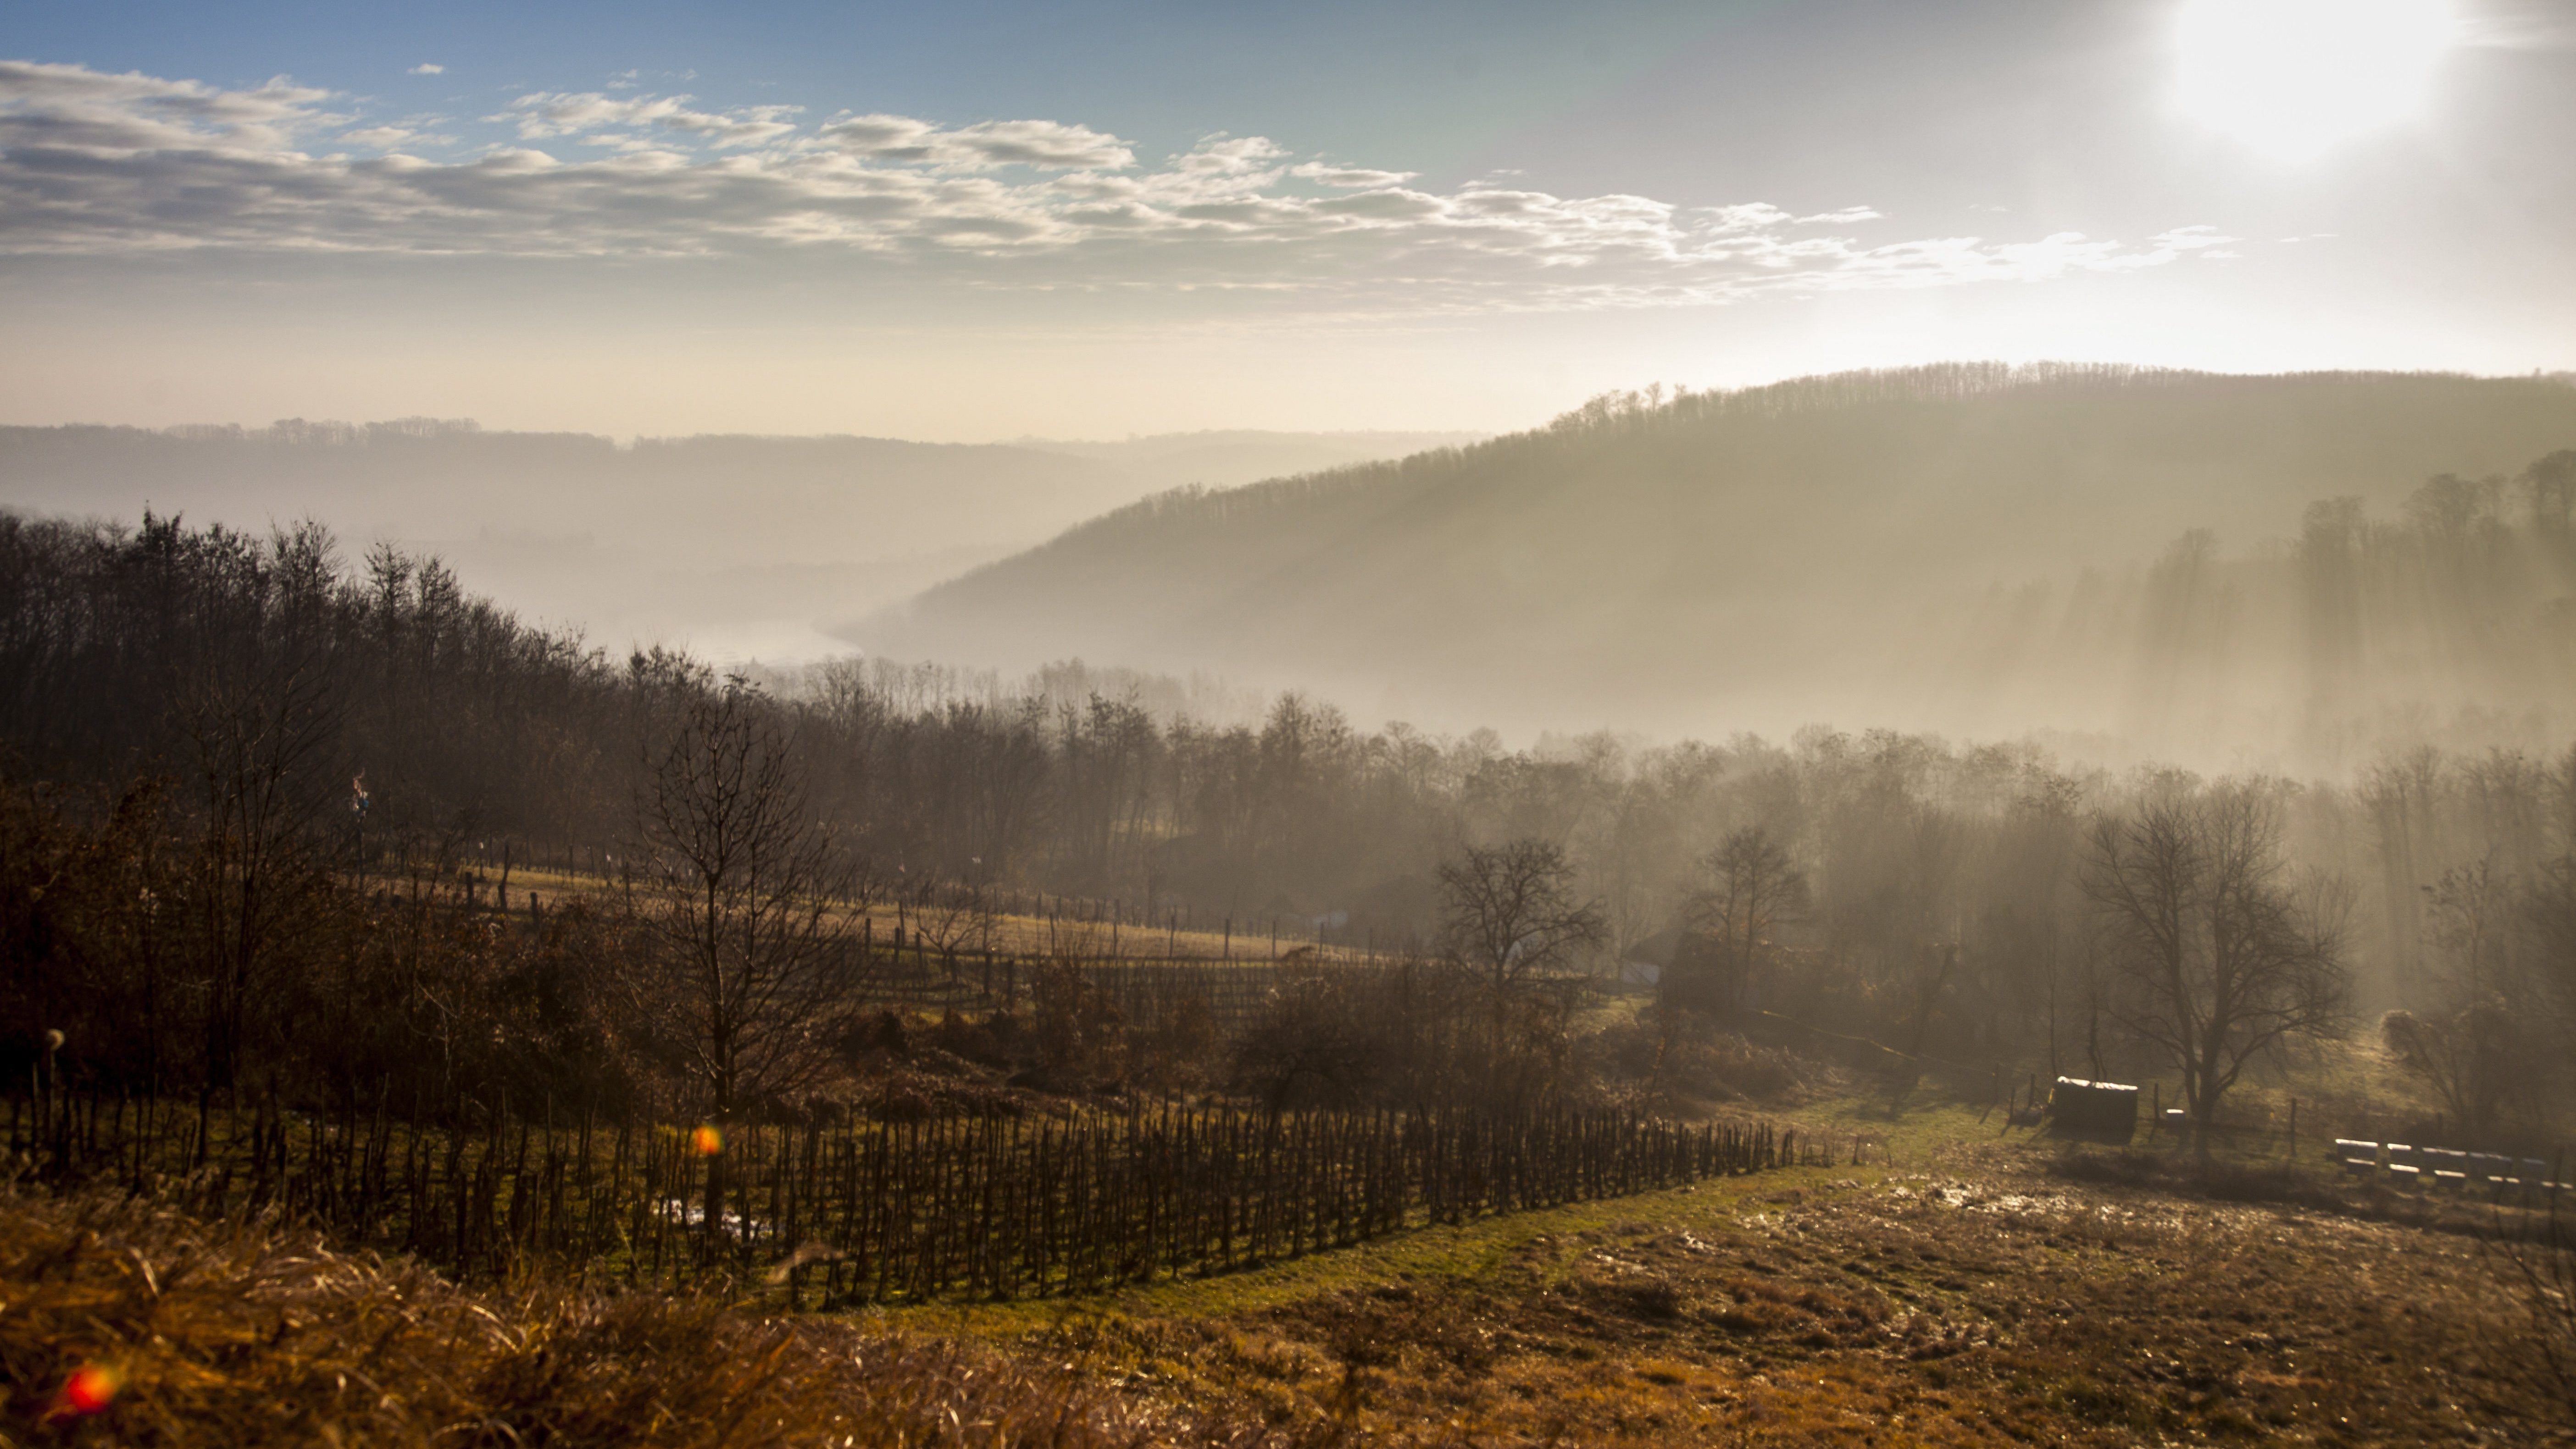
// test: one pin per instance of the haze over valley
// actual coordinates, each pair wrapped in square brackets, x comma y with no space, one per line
[2189,566]
[1336,725]
[743,548]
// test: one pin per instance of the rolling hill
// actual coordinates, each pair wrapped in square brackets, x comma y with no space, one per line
[1969,547]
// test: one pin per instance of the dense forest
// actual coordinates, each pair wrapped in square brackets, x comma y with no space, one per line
[223,748]
[2221,570]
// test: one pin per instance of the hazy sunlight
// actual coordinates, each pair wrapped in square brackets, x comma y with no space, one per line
[2295,78]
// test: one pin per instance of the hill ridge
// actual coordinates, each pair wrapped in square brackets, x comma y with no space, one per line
[1689,562]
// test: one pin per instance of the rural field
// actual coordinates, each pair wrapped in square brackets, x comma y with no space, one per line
[420,1027]
[1125,725]
[1932,1276]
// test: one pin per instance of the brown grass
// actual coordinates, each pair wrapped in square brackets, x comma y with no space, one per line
[250,1332]
[1993,1297]
[1991,1303]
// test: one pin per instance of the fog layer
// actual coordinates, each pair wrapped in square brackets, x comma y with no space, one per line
[2220,569]
[737,546]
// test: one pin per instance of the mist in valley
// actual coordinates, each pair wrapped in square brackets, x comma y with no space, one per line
[742,548]
[2287,573]
[1084,757]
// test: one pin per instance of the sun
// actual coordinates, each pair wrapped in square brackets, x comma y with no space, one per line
[2296,78]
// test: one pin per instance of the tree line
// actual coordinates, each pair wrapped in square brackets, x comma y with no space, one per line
[244,776]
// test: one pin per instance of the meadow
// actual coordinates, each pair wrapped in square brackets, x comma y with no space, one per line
[1968,1283]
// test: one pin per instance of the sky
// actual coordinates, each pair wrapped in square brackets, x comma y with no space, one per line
[977,222]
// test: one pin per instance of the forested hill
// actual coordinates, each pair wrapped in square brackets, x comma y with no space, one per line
[1965,547]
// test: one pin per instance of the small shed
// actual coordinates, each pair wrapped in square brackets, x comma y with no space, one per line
[2082,1106]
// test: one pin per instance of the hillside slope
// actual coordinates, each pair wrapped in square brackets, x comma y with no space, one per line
[1965,547]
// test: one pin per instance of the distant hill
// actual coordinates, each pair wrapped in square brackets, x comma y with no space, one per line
[741,545]
[1966,547]
[1221,459]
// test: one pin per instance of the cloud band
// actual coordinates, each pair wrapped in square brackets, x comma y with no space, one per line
[98,163]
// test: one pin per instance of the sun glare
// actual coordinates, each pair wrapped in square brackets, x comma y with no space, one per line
[2296,78]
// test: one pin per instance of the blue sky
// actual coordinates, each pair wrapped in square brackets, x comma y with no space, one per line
[1440,80]
[981,221]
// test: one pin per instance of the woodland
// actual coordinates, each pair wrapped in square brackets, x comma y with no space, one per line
[242,769]
[337,900]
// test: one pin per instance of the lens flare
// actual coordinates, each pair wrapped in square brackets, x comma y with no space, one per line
[90,1389]
[707,1140]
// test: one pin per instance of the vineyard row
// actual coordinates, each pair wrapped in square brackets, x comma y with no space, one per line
[985,1207]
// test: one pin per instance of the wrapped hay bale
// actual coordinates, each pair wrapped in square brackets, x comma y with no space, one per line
[2106,1107]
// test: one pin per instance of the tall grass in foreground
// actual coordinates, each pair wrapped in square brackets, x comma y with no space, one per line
[990,1207]
[131,1323]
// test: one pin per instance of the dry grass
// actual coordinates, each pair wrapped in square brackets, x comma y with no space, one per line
[1991,1293]
[252,1333]
[1993,1302]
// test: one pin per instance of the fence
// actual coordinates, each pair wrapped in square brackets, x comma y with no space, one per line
[997,1207]
[1233,993]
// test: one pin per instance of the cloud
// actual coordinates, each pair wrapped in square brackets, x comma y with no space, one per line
[1232,156]
[427,68]
[542,115]
[2192,239]
[1044,145]
[72,105]
[1326,174]
[99,164]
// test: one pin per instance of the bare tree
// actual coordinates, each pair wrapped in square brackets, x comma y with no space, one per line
[1510,912]
[2552,481]
[750,904]
[260,712]
[2549,917]
[1752,890]
[2216,956]
[948,917]
[2471,1045]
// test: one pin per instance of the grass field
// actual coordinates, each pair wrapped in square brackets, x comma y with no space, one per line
[1069,928]
[1985,1289]
[1965,1283]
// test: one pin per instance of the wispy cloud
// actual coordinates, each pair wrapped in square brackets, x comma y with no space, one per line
[542,116]
[98,163]
[385,138]
[1043,145]
[428,68]
[1329,174]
